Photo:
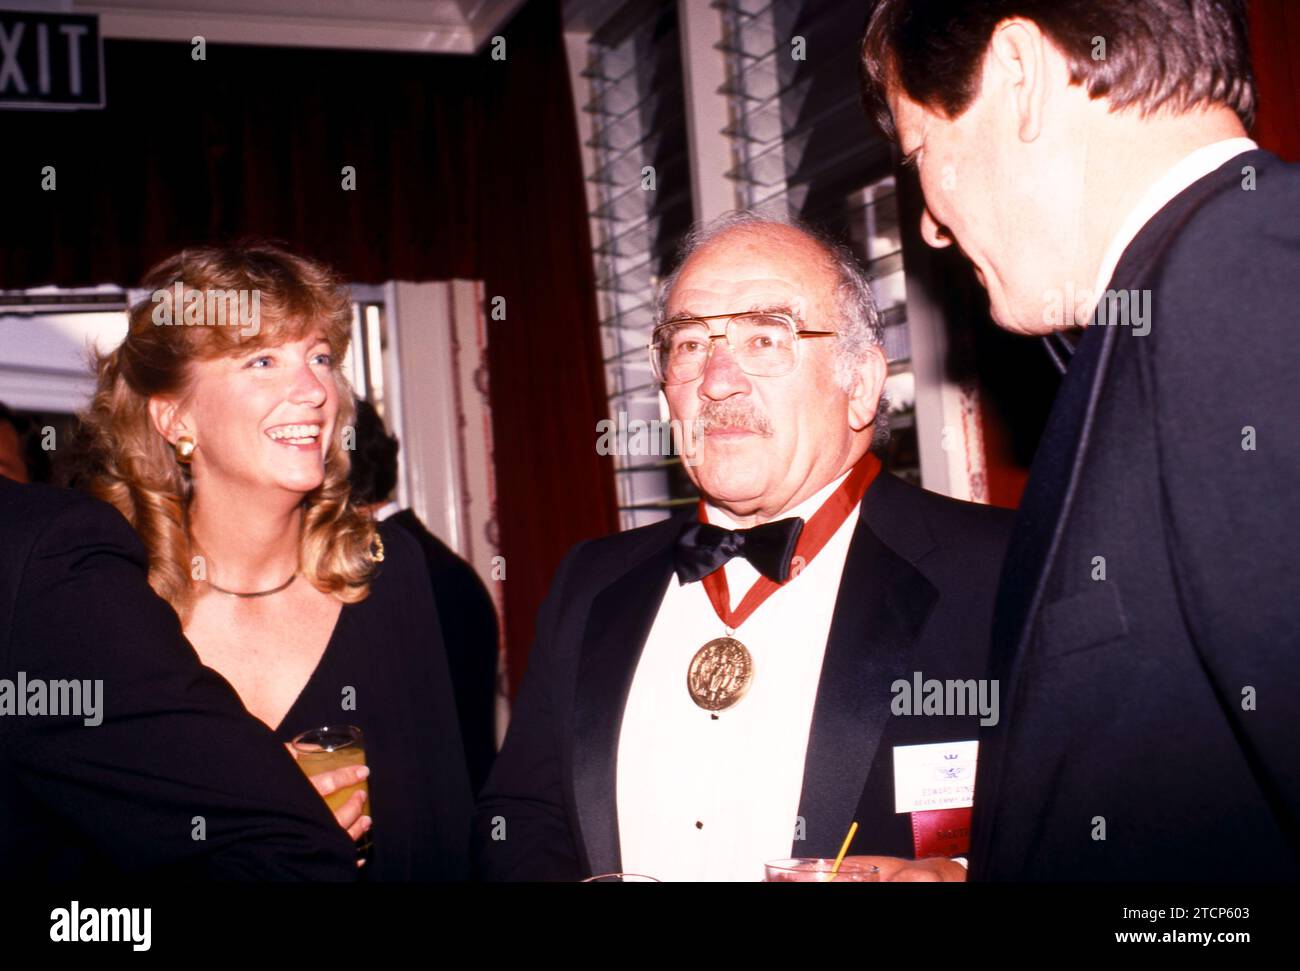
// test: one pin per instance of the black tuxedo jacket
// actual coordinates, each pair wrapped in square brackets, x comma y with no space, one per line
[1157,706]
[916,595]
[80,800]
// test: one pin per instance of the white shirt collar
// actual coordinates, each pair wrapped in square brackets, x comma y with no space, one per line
[1191,167]
[386,510]
[804,510]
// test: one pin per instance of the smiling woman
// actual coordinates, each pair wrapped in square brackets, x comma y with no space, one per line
[131,461]
[222,442]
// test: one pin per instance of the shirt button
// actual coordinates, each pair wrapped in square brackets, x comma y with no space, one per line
[698,824]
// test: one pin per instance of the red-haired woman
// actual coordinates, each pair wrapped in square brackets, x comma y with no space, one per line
[217,430]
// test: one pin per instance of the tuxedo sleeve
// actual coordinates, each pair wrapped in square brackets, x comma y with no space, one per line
[521,827]
[170,774]
[1225,369]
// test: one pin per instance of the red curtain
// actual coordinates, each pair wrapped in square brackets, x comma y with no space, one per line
[545,357]
[464,167]
[1275,55]
[252,140]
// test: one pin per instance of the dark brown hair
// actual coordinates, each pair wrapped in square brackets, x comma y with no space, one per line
[1158,53]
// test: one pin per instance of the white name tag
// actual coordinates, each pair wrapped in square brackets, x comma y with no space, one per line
[936,776]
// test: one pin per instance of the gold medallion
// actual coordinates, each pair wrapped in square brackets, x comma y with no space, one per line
[720,674]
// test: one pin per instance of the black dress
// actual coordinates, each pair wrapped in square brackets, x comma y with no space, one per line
[385,670]
[469,632]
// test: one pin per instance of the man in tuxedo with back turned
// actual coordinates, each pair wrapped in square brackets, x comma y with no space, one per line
[1091,160]
[727,687]
[147,764]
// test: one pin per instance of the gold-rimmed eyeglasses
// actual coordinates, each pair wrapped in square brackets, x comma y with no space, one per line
[764,344]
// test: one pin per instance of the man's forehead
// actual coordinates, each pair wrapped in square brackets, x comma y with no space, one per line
[686,312]
[740,295]
[761,271]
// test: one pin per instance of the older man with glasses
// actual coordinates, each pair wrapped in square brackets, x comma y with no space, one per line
[741,683]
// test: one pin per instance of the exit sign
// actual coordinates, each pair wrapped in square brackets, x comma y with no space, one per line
[50,60]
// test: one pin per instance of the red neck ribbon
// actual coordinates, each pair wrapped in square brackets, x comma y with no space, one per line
[817,532]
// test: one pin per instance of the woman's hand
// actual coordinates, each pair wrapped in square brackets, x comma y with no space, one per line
[349,815]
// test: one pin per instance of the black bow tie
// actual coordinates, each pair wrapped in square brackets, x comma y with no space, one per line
[702,548]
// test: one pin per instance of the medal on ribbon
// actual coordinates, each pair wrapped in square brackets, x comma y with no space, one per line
[722,671]
[720,674]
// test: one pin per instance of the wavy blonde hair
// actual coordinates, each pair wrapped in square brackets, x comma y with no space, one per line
[123,459]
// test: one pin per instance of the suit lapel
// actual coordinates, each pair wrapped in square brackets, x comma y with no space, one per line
[882,605]
[1046,501]
[1040,521]
[618,625]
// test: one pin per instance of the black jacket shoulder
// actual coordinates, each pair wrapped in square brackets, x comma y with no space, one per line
[949,523]
[403,563]
[37,515]
[26,510]
[913,521]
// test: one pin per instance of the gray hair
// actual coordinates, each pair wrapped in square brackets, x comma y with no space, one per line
[859,319]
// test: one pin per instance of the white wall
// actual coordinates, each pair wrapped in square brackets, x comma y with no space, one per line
[44,360]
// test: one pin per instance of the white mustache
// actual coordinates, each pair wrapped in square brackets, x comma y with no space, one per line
[728,414]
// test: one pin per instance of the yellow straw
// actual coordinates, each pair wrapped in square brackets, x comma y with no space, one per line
[843,849]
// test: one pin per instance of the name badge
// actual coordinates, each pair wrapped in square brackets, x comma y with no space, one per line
[940,775]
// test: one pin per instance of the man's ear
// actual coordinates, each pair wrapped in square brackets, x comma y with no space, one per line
[868,385]
[1017,57]
[168,419]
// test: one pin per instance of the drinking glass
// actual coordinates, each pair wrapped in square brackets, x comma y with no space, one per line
[335,747]
[817,870]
